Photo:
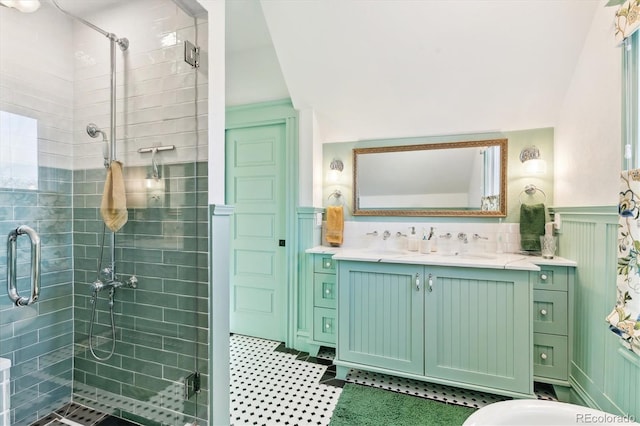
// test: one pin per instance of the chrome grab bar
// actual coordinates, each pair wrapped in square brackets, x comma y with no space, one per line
[12,265]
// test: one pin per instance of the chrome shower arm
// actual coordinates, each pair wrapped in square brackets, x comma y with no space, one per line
[122,42]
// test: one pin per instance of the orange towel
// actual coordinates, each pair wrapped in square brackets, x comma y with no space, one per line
[335,225]
[114,202]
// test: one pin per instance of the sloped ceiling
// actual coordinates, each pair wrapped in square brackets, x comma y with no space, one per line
[392,68]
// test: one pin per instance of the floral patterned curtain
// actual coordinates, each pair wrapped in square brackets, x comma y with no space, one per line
[624,319]
[627,17]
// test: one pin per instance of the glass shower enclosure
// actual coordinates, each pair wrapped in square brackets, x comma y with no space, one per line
[134,348]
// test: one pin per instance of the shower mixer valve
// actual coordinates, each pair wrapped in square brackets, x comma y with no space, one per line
[109,280]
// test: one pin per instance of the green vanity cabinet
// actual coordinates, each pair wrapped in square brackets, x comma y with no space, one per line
[324,324]
[552,324]
[478,328]
[467,327]
[381,314]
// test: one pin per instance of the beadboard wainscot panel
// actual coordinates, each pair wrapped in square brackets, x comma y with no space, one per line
[603,373]
[308,236]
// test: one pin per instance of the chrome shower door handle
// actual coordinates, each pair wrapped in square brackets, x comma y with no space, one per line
[12,288]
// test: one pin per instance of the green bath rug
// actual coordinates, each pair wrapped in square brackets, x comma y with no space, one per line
[364,405]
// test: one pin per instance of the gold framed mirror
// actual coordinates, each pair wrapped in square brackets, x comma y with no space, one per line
[439,179]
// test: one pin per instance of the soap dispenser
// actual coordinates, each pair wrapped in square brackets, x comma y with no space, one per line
[412,243]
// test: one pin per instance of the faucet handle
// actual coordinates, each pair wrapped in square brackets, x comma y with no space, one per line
[447,235]
[400,234]
[479,237]
[374,233]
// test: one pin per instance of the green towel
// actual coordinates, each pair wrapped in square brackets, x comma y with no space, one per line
[532,220]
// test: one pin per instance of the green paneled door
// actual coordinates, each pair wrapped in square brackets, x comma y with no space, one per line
[255,186]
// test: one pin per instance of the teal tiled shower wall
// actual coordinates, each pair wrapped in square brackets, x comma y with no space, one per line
[161,326]
[38,339]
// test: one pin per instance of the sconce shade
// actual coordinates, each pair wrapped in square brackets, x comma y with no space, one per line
[535,167]
[335,169]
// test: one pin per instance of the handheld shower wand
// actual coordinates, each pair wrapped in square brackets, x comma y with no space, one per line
[93,130]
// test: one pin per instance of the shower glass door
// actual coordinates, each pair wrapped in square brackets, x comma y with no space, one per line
[54,80]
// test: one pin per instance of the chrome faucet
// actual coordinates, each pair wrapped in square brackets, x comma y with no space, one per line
[386,235]
[463,237]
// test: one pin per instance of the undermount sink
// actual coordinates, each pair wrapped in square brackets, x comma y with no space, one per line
[477,255]
[386,252]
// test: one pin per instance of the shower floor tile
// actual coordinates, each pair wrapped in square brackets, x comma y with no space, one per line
[73,414]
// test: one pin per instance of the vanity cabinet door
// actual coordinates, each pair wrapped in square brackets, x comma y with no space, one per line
[380,315]
[478,327]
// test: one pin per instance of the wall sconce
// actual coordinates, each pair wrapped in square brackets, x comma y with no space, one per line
[335,169]
[25,6]
[533,164]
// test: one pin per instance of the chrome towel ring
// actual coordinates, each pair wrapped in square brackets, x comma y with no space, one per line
[12,289]
[531,190]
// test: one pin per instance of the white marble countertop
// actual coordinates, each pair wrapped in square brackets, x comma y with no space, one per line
[513,261]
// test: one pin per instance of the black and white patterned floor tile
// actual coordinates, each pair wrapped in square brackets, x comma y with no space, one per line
[421,389]
[270,386]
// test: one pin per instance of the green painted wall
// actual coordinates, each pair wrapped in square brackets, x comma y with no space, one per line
[516,179]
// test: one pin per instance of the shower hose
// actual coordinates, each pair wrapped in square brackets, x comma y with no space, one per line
[94,302]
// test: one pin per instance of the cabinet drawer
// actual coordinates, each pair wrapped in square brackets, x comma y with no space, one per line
[324,290]
[550,312]
[324,263]
[550,356]
[325,325]
[550,278]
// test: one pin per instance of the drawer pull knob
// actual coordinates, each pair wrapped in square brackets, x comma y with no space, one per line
[327,264]
[543,312]
[327,291]
[544,277]
[328,326]
[543,355]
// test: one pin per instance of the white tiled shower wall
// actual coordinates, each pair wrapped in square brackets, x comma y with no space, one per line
[357,234]
[155,86]
[36,77]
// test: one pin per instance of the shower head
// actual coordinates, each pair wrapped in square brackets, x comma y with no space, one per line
[93,130]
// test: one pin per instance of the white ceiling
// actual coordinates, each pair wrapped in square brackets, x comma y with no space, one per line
[391,68]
